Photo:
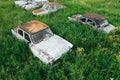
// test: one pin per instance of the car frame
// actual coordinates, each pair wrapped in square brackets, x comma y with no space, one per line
[30,4]
[48,8]
[45,45]
[94,20]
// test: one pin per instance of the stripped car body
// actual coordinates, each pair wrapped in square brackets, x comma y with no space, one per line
[48,8]
[20,3]
[45,45]
[30,4]
[95,20]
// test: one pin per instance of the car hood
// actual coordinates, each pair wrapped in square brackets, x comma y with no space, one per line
[108,28]
[54,46]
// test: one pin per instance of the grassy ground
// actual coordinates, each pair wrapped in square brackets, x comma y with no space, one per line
[95,56]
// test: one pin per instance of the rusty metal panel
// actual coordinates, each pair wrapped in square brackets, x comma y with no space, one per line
[96,17]
[33,26]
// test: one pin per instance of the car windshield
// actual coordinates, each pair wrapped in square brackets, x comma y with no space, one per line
[46,7]
[41,35]
[104,23]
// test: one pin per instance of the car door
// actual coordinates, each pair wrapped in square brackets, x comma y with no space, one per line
[27,37]
[91,23]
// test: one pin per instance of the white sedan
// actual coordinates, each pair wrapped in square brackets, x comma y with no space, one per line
[45,45]
[48,8]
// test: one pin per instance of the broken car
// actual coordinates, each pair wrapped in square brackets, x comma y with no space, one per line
[48,8]
[30,4]
[20,3]
[44,44]
[95,20]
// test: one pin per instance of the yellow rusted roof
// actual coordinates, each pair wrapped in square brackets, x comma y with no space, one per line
[33,26]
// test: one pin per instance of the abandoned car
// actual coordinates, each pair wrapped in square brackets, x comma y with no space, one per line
[95,20]
[47,8]
[20,3]
[45,45]
[29,4]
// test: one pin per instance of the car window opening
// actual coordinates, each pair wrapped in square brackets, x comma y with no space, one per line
[20,32]
[27,37]
[41,35]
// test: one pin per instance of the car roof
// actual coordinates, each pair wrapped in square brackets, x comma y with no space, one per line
[53,3]
[95,17]
[33,26]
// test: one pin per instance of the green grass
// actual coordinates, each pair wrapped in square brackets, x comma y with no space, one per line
[95,56]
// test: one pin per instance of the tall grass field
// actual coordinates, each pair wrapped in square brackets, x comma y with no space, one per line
[95,55]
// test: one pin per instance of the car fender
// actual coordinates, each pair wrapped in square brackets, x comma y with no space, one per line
[47,59]
[109,28]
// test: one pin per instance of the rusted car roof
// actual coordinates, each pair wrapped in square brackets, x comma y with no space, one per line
[33,26]
[95,17]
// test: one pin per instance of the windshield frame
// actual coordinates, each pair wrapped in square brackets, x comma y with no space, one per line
[40,32]
[45,6]
[104,23]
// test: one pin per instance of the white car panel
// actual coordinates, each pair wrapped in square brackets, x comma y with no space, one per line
[27,5]
[108,28]
[72,19]
[54,47]
[20,3]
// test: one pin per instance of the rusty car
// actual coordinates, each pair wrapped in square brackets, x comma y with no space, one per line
[48,8]
[44,44]
[95,20]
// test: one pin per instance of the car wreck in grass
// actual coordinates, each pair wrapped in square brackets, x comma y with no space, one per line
[20,3]
[48,8]
[44,44]
[95,20]
[30,4]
